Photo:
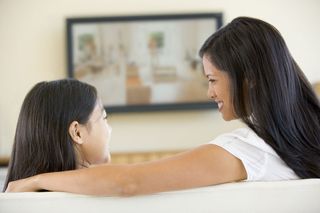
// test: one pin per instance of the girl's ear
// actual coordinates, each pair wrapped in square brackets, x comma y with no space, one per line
[75,132]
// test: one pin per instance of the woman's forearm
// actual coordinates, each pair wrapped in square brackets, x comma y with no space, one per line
[100,180]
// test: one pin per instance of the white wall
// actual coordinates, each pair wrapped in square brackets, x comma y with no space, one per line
[32,49]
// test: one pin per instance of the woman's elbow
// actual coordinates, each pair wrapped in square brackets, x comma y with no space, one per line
[129,189]
[128,186]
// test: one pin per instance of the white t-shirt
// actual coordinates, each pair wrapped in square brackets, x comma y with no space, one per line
[259,159]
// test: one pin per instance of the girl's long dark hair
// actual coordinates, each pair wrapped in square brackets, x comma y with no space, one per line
[270,92]
[42,142]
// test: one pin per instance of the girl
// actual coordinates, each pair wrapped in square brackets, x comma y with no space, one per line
[62,126]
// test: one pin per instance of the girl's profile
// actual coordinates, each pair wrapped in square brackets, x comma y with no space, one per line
[62,126]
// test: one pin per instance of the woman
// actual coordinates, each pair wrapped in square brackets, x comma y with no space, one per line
[62,126]
[252,77]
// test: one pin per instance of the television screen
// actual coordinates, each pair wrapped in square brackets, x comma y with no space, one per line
[142,63]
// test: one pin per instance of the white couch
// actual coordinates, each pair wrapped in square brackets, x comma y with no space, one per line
[281,196]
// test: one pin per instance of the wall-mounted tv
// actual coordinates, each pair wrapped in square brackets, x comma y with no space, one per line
[142,63]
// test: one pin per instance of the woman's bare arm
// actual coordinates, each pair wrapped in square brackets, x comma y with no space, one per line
[203,166]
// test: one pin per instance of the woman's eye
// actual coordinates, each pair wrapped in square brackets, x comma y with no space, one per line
[211,80]
[105,116]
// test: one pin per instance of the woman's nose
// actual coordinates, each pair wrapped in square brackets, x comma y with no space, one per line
[211,93]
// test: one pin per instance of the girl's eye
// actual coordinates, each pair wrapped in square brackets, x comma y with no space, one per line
[211,80]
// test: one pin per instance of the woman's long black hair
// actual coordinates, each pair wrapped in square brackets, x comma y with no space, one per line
[269,91]
[42,142]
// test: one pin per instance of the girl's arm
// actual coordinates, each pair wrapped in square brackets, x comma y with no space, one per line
[206,165]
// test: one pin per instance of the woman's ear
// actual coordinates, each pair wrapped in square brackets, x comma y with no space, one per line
[75,132]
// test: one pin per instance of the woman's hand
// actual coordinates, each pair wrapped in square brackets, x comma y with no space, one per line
[24,185]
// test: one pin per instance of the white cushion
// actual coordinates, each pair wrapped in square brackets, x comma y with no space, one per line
[280,196]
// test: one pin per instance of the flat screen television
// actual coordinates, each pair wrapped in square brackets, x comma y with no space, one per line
[142,63]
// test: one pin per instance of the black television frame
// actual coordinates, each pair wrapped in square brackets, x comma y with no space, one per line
[70,22]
